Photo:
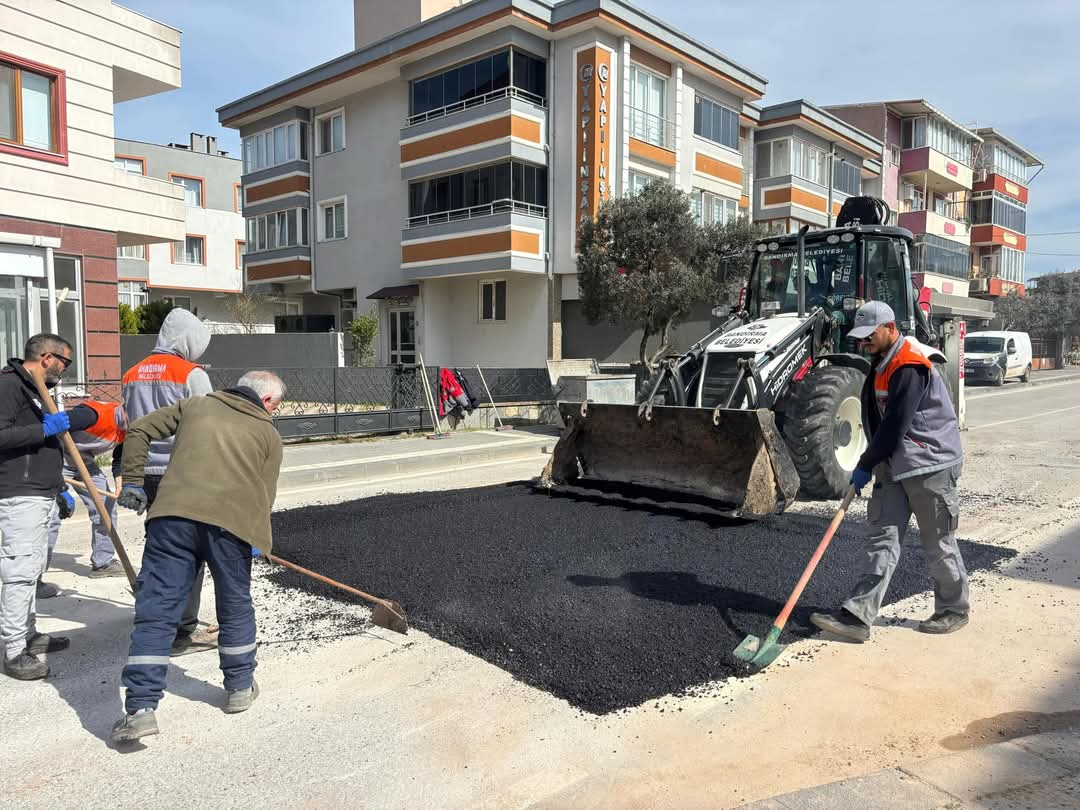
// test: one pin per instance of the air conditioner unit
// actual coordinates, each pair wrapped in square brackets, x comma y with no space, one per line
[907,191]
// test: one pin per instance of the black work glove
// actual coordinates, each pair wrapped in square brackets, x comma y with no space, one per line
[66,504]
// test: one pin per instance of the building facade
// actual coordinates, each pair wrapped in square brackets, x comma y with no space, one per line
[806,163]
[998,213]
[65,208]
[480,137]
[202,272]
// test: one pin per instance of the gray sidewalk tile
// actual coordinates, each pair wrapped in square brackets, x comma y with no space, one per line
[994,769]
[1060,747]
[1057,794]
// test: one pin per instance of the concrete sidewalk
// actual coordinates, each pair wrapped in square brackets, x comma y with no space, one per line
[1039,771]
[366,459]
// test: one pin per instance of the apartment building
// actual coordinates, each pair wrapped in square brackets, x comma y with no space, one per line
[928,173]
[204,270]
[441,168]
[998,213]
[806,163]
[65,208]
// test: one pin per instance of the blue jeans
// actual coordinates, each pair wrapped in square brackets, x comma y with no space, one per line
[175,549]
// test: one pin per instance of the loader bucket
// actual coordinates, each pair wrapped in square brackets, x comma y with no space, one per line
[728,461]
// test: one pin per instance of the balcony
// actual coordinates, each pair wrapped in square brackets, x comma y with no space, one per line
[652,138]
[935,171]
[477,101]
[935,224]
[503,236]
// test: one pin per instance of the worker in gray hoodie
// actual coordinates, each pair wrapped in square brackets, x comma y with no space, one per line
[167,376]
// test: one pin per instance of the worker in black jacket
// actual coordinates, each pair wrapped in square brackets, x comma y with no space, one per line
[31,491]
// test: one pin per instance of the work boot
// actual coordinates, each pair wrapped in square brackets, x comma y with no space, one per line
[841,623]
[942,623]
[240,700]
[187,643]
[141,724]
[41,643]
[46,590]
[113,569]
[26,667]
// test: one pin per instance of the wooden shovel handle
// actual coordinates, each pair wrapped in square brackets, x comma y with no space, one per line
[308,572]
[781,620]
[84,474]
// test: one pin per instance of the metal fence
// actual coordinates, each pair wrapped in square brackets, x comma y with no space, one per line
[346,401]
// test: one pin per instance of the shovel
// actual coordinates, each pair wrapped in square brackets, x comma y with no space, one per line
[88,484]
[759,654]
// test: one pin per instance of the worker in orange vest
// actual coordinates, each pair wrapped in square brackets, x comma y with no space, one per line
[102,426]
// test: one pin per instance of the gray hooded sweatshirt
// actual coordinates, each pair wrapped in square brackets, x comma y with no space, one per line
[168,376]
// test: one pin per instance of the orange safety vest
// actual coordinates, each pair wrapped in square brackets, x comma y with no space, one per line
[110,425]
[160,368]
[905,356]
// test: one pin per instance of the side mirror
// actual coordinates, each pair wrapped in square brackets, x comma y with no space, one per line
[1012,350]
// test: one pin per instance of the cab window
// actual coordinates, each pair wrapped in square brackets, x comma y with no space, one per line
[885,276]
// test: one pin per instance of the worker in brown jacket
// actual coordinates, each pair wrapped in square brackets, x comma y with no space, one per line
[213,507]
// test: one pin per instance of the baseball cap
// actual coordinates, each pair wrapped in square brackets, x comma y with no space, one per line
[869,317]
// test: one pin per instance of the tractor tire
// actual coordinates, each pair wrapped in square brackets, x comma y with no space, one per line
[822,427]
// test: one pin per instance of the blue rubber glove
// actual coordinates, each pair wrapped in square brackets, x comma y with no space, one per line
[133,497]
[859,479]
[54,423]
[66,504]
[255,552]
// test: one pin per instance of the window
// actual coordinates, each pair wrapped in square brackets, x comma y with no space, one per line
[638,181]
[648,106]
[712,209]
[932,131]
[238,198]
[32,110]
[943,257]
[194,188]
[999,209]
[475,192]
[913,198]
[492,301]
[191,251]
[129,164]
[241,249]
[474,83]
[275,146]
[277,230]
[402,336]
[180,301]
[131,252]
[287,308]
[715,122]
[332,220]
[330,132]
[1011,265]
[997,159]
[132,293]
[846,177]
[773,159]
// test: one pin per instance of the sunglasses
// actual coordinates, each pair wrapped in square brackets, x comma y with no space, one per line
[65,360]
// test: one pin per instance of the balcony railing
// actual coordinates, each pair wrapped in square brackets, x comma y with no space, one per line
[477,211]
[652,129]
[476,101]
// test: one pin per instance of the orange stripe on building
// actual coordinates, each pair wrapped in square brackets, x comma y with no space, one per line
[795,196]
[654,154]
[652,62]
[290,269]
[505,127]
[996,182]
[836,209]
[703,164]
[995,235]
[744,201]
[276,188]
[500,242]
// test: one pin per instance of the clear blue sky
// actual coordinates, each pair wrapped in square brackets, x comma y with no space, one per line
[983,62]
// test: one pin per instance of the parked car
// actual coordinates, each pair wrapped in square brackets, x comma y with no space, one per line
[995,357]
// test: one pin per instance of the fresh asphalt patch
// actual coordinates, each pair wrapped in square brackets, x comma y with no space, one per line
[604,605]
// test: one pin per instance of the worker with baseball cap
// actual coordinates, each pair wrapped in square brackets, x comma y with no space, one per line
[915,456]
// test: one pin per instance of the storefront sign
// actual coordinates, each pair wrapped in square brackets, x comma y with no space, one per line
[593,145]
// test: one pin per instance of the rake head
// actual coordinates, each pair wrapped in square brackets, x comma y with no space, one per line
[391,616]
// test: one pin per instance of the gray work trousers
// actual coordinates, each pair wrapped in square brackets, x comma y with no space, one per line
[101,548]
[24,545]
[189,621]
[934,501]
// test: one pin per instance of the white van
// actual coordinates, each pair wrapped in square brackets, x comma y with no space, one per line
[997,356]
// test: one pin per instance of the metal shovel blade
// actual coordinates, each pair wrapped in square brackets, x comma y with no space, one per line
[392,617]
[759,654]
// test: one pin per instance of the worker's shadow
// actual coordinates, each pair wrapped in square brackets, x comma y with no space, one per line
[681,588]
[87,674]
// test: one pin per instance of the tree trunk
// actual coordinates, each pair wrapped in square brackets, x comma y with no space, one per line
[664,345]
[643,349]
